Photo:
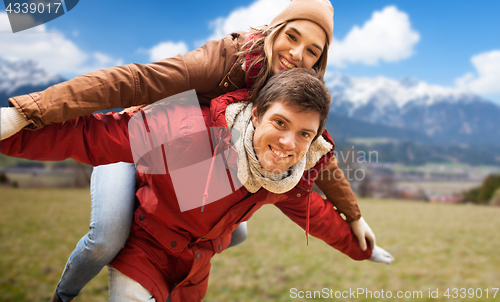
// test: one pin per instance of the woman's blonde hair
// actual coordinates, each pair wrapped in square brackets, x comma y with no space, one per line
[261,43]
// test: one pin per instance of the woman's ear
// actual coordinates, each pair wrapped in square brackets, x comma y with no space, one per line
[255,118]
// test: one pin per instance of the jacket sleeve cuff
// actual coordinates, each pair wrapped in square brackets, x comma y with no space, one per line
[29,110]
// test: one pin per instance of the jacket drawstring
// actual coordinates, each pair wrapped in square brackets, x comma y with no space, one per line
[307,212]
[205,194]
[148,131]
[307,217]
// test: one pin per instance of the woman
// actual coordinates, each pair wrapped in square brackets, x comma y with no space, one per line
[298,37]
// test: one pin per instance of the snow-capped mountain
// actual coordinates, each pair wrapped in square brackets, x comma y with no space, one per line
[21,77]
[443,114]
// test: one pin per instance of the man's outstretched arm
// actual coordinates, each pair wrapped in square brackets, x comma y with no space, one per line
[337,190]
[93,139]
[326,224]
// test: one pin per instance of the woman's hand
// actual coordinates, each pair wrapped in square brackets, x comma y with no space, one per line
[11,121]
[363,232]
[380,255]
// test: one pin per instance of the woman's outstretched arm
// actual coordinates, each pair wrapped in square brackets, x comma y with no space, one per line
[202,69]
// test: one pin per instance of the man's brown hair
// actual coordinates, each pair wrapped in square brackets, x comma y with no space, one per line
[300,88]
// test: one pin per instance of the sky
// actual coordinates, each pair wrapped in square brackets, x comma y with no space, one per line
[451,43]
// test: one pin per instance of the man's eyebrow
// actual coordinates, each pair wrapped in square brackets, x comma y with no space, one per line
[288,121]
[300,35]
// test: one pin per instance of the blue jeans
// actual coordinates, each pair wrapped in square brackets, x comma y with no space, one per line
[113,193]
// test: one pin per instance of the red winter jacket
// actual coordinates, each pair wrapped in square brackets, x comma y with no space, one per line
[169,250]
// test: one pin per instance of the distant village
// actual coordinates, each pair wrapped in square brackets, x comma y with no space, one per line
[433,183]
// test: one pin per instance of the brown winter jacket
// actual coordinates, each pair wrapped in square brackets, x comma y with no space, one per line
[211,70]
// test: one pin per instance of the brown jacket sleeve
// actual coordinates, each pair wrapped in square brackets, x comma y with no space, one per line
[120,87]
[337,190]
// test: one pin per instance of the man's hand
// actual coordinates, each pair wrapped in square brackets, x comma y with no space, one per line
[11,121]
[380,255]
[363,232]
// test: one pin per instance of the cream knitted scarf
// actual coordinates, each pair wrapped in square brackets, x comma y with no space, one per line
[250,172]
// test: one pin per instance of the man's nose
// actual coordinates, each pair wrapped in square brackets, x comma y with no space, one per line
[287,141]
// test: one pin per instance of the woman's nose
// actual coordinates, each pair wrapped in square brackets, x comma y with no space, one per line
[296,53]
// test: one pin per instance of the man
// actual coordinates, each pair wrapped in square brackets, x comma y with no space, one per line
[201,172]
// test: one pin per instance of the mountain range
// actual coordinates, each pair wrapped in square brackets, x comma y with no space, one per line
[23,77]
[410,109]
[378,107]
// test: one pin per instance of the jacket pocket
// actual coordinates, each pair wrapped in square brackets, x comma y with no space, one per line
[171,240]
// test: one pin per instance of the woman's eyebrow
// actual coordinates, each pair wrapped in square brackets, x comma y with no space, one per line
[300,35]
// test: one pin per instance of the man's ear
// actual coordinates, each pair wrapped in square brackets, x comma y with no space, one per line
[255,118]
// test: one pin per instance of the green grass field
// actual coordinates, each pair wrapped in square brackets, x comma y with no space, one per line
[435,247]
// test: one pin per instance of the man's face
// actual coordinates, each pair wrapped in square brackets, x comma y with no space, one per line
[283,136]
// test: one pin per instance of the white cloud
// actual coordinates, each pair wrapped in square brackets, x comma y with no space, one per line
[50,49]
[167,50]
[97,61]
[260,12]
[486,80]
[387,36]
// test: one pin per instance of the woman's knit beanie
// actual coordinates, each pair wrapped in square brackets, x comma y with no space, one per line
[317,11]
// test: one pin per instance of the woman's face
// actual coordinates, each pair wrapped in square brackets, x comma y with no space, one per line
[299,44]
